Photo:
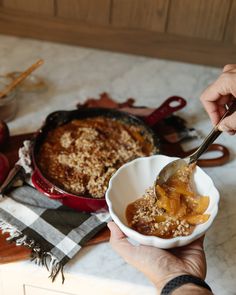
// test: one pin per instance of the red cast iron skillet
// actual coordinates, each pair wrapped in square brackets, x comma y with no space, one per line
[58,118]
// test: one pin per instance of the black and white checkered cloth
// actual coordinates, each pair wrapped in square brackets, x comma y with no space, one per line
[55,233]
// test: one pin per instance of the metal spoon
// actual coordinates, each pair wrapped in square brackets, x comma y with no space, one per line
[172,167]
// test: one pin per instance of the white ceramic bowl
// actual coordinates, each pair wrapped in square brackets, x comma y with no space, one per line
[130,182]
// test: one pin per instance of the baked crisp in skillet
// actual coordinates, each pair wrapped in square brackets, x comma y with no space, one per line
[82,155]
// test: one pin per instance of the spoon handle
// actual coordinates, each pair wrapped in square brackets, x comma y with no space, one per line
[215,132]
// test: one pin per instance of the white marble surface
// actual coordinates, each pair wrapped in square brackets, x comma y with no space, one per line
[75,73]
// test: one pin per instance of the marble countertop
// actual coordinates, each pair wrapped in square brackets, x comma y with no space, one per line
[74,74]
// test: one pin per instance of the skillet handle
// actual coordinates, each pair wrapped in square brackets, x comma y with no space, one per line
[170,105]
[45,188]
[212,162]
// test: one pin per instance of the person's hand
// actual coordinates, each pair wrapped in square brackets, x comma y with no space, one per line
[159,265]
[219,93]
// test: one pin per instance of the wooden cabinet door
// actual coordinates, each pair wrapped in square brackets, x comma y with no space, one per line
[198,31]
[140,14]
[204,19]
[230,35]
[88,11]
[40,7]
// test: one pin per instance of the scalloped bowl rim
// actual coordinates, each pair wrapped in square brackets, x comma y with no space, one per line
[154,240]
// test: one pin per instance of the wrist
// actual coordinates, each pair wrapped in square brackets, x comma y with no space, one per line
[191,289]
[161,283]
[181,284]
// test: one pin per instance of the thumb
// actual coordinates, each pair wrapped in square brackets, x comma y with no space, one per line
[229,124]
[116,233]
[119,242]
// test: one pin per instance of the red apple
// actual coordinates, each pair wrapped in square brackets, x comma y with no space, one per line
[4,167]
[4,133]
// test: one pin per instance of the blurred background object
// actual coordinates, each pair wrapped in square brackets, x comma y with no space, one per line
[10,85]
[197,31]
[32,83]
[8,104]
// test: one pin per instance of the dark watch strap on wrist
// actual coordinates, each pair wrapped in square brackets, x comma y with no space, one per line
[181,280]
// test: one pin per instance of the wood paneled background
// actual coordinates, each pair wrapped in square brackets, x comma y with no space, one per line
[197,31]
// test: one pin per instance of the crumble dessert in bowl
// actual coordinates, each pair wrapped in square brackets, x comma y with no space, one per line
[183,210]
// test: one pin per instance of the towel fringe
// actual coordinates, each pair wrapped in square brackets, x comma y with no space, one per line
[39,256]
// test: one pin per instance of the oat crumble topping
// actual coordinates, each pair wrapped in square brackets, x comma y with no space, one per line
[82,155]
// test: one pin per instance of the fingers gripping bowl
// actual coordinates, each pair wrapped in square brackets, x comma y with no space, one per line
[129,184]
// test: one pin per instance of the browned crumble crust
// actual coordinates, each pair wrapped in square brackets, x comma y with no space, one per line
[82,155]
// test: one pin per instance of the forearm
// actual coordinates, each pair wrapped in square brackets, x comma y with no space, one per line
[191,289]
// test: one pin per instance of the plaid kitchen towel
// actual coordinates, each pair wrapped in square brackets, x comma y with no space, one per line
[53,232]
